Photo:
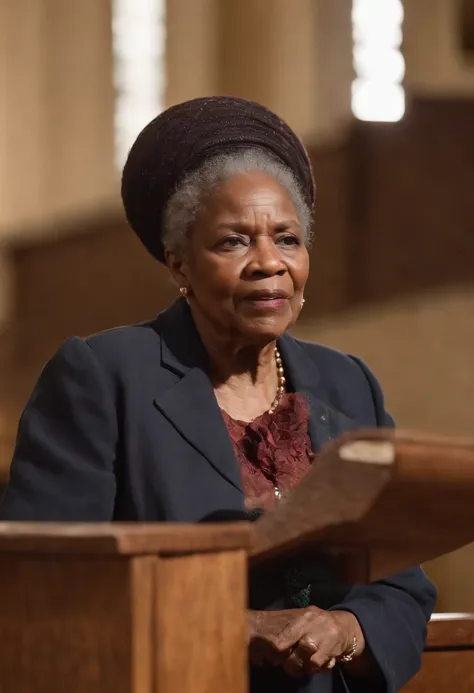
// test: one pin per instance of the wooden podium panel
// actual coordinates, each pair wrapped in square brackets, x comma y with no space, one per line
[448,661]
[123,609]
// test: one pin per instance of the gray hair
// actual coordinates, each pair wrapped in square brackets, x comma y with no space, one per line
[185,203]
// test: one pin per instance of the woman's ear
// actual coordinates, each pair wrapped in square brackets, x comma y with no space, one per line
[177,267]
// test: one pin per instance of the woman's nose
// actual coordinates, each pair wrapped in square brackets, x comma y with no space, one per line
[266,259]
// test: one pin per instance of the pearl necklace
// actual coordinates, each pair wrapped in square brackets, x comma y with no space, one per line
[280,390]
[281,382]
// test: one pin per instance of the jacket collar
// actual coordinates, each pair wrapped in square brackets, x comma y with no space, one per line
[190,404]
[181,346]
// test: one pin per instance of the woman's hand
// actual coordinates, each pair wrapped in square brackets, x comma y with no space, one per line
[303,641]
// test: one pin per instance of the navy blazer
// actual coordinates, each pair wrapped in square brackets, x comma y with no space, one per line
[125,426]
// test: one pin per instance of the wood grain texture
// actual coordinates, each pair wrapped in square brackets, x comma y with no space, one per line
[141,605]
[404,497]
[451,631]
[98,623]
[74,624]
[202,624]
[122,539]
[448,662]
[444,671]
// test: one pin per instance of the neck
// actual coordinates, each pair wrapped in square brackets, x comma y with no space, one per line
[252,364]
[244,376]
[231,358]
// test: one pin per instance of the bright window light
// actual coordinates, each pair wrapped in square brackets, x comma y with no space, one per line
[377,32]
[138,39]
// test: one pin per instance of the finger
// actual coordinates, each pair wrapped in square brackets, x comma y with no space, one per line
[306,647]
[314,653]
[321,644]
[294,666]
[320,660]
[292,633]
[290,636]
[269,654]
[307,651]
[311,668]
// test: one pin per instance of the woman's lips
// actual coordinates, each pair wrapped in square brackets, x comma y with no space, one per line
[267,301]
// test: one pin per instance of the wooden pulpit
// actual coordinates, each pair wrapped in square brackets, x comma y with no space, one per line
[380,501]
[162,608]
[123,609]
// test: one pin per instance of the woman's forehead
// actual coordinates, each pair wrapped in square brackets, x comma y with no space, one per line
[248,193]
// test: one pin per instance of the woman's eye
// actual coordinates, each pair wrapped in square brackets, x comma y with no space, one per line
[232,242]
[288,240]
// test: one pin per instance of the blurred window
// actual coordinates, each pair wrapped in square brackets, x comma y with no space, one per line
[138,40]
[377,31]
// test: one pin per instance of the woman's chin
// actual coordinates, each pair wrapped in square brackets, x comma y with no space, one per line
[265,329]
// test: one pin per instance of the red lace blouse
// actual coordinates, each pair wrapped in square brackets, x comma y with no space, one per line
[273,449]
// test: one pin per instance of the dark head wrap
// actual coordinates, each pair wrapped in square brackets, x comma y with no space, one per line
[181,138]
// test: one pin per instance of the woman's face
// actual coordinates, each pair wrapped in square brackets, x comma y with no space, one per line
[246,263]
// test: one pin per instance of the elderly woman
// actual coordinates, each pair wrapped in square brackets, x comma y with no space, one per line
[212,406]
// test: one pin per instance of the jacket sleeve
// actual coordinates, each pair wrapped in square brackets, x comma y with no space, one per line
[394,612]
[63,463]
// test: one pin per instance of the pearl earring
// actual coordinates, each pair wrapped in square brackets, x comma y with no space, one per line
[303,301]
[183,291]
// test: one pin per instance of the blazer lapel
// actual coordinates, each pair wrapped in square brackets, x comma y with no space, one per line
[190,404]
[325,422]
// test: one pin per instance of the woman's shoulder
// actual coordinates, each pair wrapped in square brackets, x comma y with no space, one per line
[329,360]
[114,350]
[344,377]
[125,339]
